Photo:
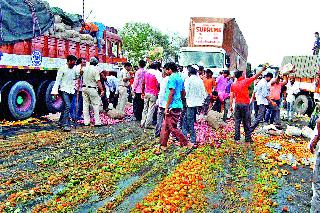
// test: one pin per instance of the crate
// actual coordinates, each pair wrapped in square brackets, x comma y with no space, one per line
[306,66]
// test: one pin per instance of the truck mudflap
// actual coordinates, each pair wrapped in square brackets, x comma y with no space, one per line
[3,88]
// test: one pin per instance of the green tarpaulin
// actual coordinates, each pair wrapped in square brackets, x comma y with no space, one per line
[67,18]
[23,19]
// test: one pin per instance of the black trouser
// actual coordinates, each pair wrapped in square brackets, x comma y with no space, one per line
[138,105]
[105,102]
[113,98]
[242,114]
[130,99]
[160,118]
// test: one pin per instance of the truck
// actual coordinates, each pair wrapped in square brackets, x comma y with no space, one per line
[216,44]
[32,51]
[306,72]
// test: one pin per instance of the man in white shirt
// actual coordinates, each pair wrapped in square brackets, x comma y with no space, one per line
[91,84]
[292,90]
[65,87]
[263,99]
[161,102]
[111,83]
[124,82]
[195,96]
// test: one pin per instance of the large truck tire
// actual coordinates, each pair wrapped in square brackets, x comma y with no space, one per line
[41,108]
[53,104]
[21,100]
[303,105]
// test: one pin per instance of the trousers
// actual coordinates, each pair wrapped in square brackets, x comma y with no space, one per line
[91,97]
[148,110]
[170,125]
[160,118]
[259,118]
[188,123]
[123,98]
[242,114]
[64,119]
[138,106]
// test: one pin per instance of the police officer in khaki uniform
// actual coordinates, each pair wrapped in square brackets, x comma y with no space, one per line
[124,82]
[91,84]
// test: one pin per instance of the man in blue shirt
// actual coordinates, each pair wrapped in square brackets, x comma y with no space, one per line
[174,94]
[316,46]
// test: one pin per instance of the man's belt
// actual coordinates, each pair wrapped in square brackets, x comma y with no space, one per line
[90,87]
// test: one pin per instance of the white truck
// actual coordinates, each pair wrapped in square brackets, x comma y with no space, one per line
[305,75]
[216,44]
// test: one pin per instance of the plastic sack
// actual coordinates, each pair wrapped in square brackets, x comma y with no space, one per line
[76,29]
[51,31]
[72,34]
[293,131]
[75,39]
[286,69]
[60,27]
[68,27]
[115,114]
[60,35]
[86,37]
[307,132]
[214,119]
[57,19]
[269,127]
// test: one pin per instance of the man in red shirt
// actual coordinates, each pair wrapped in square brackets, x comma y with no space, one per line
[240,92]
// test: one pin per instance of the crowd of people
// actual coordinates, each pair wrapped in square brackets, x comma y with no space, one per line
[170,98]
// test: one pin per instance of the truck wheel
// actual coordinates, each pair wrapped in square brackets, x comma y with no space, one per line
[303,104]
[41,108]
[21,100]
[53,104]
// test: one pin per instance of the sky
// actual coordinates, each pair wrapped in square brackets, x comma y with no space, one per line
[272,28]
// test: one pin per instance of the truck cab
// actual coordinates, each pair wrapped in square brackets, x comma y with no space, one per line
[213,58]
[216,44]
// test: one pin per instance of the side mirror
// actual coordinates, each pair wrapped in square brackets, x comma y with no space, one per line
[227,62]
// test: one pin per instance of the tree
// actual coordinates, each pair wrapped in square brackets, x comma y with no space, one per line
[140,38]
[249,70]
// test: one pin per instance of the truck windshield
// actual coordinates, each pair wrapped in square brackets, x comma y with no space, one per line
[205,59]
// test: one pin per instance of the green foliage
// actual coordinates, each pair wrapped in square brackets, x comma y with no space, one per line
[248,70]
[140,38]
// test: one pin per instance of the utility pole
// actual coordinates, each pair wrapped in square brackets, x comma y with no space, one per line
[83,9]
